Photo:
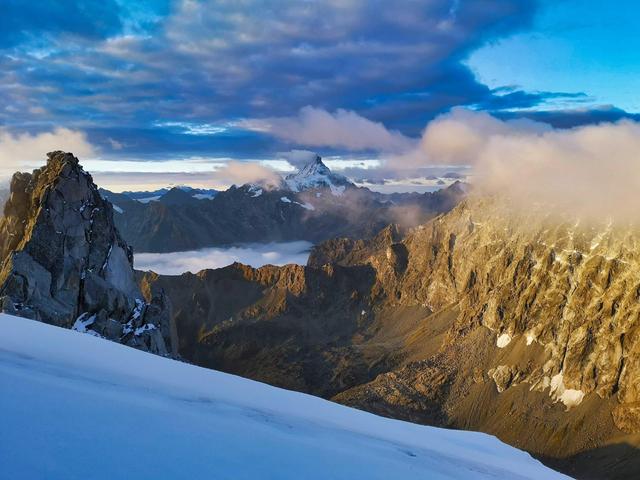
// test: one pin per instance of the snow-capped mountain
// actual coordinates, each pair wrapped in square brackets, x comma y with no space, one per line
[77,406]
[317,175]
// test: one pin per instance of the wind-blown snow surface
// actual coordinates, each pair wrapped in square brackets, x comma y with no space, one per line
[256,255]
[75,406]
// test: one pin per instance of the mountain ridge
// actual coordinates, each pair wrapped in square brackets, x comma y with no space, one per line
[326,206]
[518,323]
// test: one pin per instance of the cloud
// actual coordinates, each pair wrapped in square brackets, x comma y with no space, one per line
[113,65]
[590,170]
[574,117]
[219,174]
[93,19]
[26,151]
[315,127]
[239,173]
[197,260]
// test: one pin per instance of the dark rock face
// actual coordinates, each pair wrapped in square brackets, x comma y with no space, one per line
[64,263]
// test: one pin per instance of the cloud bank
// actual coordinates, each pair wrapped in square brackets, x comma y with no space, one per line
[315,127]
[255,255]
[589,170]
[239,173]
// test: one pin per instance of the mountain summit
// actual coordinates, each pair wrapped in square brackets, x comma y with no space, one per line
[63,261]
[316,174]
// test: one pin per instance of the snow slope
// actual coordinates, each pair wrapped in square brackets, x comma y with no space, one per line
[77,407]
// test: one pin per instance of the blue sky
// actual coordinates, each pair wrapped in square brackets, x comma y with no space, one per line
[588,46]
[192,80]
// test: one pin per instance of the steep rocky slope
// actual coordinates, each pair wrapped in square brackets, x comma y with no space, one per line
[64,263]
[519,323]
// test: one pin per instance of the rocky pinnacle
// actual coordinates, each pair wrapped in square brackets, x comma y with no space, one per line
[64,262]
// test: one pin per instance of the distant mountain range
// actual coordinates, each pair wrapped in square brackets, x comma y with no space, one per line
[314,204]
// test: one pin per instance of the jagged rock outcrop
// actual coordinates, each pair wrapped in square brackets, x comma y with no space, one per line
[570,287]
[292,326]
[64,263]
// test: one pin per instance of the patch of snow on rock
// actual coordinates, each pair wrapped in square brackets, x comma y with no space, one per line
[148,199]
[337,191]
[83,321]
[503,340]
[568,396]
[306,206]
[82,324]
[204,196]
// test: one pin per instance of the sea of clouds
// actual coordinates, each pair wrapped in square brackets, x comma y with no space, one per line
[256,255]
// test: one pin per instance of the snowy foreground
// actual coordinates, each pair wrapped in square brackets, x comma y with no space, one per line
[78,407]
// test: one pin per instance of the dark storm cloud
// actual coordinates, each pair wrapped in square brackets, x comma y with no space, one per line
[128,72]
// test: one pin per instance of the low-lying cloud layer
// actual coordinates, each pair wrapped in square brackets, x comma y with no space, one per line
[255,255]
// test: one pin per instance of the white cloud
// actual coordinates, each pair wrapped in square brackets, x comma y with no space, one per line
[315,127]
[215,173]
[239,173]
[28,151]
[592,170]
[255,255]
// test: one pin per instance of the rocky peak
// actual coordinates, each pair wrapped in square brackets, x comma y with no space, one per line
[561,292]
[64,262]
[316,174]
